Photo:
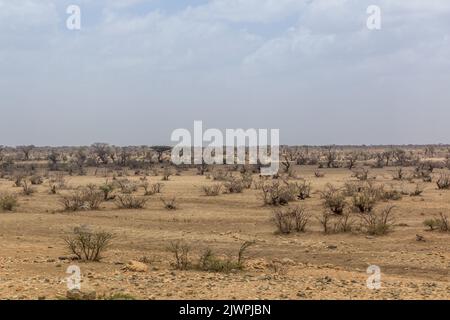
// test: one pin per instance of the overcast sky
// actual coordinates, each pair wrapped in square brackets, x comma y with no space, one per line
[138,69]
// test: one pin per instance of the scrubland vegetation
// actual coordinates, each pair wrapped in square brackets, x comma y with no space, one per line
[102,206]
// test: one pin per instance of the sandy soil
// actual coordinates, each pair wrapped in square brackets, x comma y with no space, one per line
[310,265]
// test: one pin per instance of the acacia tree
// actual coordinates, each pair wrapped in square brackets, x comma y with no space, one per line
[160,150]
[101,151]
[53,158]
[124,156]
[26,150]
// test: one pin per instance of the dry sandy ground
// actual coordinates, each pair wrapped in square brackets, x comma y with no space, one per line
[313,265]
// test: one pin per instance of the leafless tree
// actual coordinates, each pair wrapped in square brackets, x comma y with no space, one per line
[430,151]
[400,156]
[331,156]
[352,158]
[160,150]
[124,156]
[286,163]
[387,155]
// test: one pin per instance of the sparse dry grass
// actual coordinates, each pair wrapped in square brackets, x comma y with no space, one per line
[218,222]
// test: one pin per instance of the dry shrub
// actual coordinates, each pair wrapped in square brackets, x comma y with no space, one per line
[417,191]
[92,198]
[426,176]
[332,223]
[82,199]
[344,223]
[210,262]
[325,220]
[399,174]
[53,188]
[170,204]
[443,224]
[290,219]
[242,251]
[36,180]
[366,194]
[151,189]
[388,194]
[440,223]
[166,174]
[213,190]
[443,182]
[88,245]
[275,194]
[258,184]
[8,202]
[362,174]
[247,179]
[27,190]
[278,267]
[58,180]
[233,185]
[333,199]
[381,193]
[128,201]
[147,190]
[302,190]
[73,202]
[18,178]
[107,189]
[423,171]
[319,174]
[365,200]
[180,250]
[377,223]
[352,187]
[220,175]
[126,186]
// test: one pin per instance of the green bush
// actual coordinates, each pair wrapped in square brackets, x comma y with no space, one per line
[8,202]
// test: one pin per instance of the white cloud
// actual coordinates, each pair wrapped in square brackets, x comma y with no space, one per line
[238,52]
[262,11]
[26,15]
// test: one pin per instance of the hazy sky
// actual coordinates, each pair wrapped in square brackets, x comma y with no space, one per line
[138,69]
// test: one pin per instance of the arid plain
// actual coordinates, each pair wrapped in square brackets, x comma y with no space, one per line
[183,241]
